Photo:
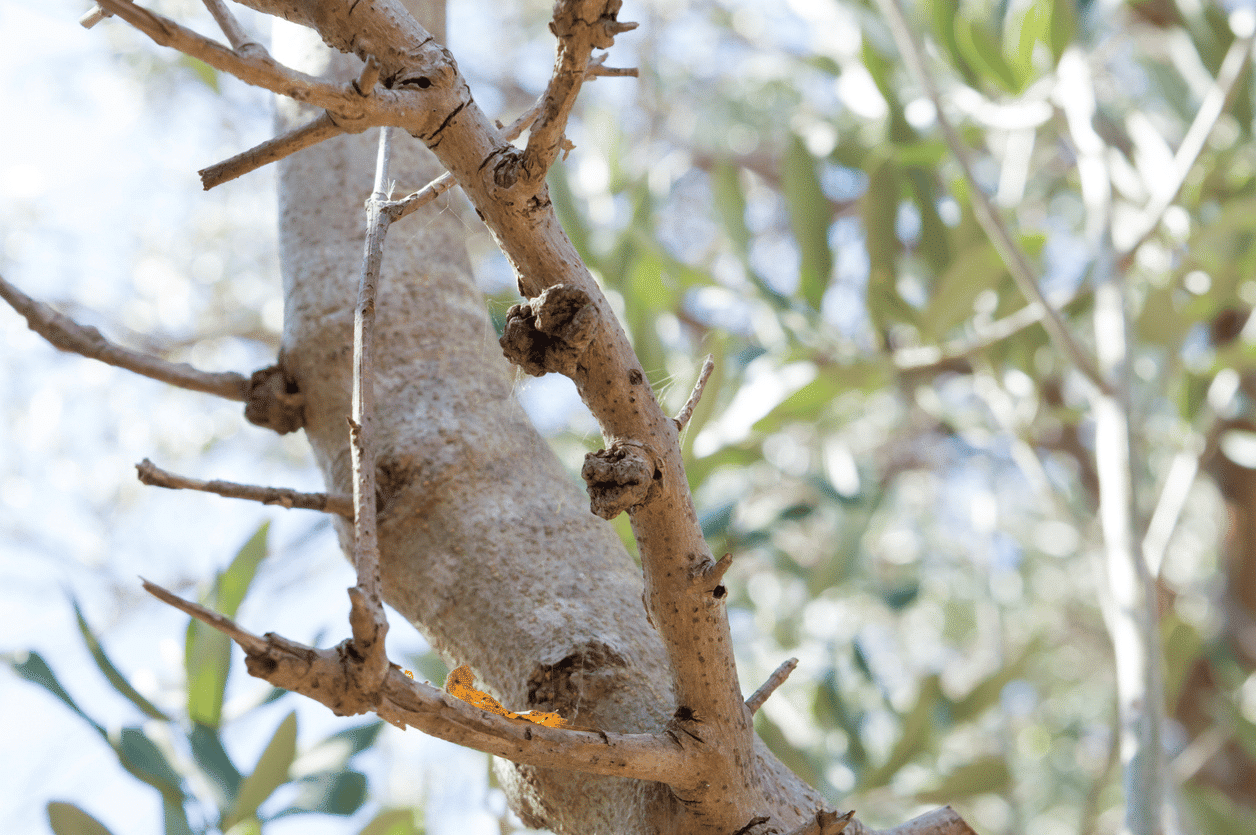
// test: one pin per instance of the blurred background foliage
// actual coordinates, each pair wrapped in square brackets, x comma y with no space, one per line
[900,463]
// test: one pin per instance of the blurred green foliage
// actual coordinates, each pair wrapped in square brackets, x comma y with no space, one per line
[181,753]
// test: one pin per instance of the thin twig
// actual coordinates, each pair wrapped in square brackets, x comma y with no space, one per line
[236,36]
[247,640]
[66,334]
[321,128]
[367,614]
[261,71]
[155,476]
[1210,109]
[682,419]
[93,16]
[991,221]
[758,697]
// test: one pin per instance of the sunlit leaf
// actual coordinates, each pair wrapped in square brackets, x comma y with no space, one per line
[460,682]
[207,652]
[271,772]
[391,822]
[978,269]
[206,74]
[982,51]
[68,819]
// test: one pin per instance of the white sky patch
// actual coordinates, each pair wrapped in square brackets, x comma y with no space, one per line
[763,391]
[859,92]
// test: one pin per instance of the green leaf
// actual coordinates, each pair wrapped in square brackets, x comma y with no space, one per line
[234,583]
[174,816]
[730,199]
[942,17]
[977,269]
[810,214]
[111,672]
[204,72]
[916,734]
[1217,814]
[271,772]
[207,652]
[330,793]
[68,819]
[391,822]
[214,763]
[1182,644]
[1063,26]
[878,209]
[35,669]
[980,47]
[831,709]
[252,826]
[988,775]
[143,759]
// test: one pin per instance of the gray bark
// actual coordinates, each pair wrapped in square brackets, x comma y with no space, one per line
[488,546]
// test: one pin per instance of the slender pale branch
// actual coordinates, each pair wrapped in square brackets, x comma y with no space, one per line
[989,218]
[682,419]
[240,40]
[1177,486]
[322,675]
[367,616]
[768,687]
[66,334]
[1165,190]
[152,475]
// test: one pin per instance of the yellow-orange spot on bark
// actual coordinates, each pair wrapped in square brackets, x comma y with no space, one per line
[459,685]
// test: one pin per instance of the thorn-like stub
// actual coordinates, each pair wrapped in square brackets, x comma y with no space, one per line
[274,401]
[618,478]
[550,332]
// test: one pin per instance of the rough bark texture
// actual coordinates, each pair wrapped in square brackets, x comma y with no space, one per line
[488,546]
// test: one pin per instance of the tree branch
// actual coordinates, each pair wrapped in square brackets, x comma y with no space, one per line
[154,476]
[1165,190]
[580,26]
[258,70]
[272,150]
[67,335]
[989,218]
[322,675]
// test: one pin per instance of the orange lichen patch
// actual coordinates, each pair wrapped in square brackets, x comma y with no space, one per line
[459,685]
[409,674]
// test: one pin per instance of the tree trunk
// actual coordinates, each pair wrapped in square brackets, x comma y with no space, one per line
[488,546]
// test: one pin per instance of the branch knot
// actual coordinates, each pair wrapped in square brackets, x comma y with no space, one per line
[550,332]
[274,401]
[619,478]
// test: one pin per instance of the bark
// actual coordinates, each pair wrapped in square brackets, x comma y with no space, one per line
[487,545]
